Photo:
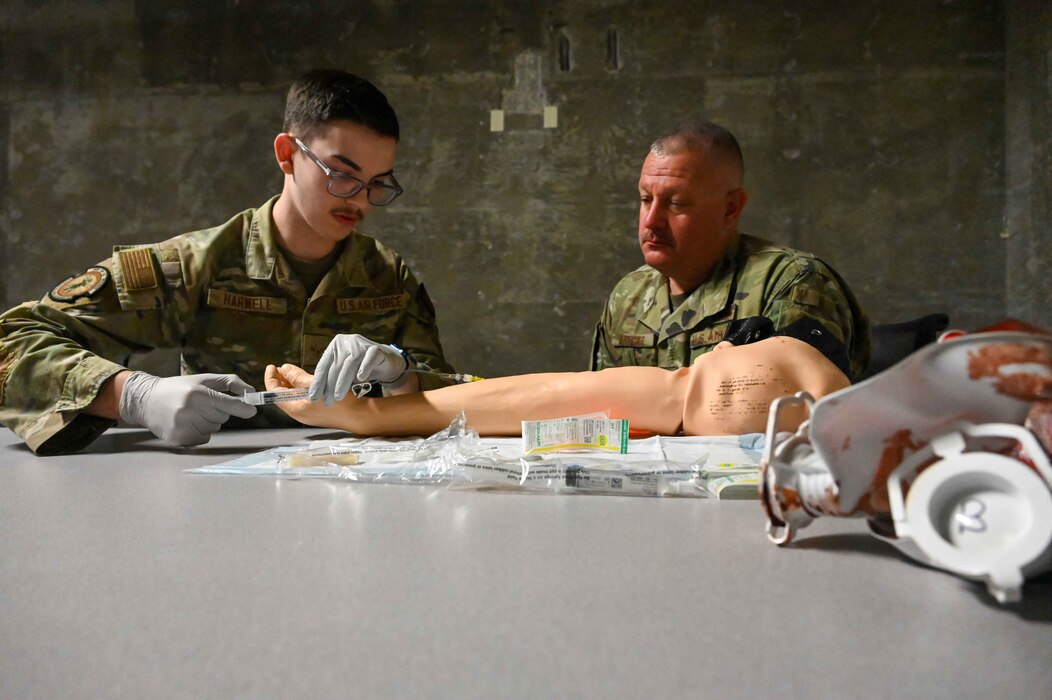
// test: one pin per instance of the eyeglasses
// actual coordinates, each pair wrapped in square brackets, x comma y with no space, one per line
[381,191]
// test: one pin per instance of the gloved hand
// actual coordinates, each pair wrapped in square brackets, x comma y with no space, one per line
[353,359]
[183,410]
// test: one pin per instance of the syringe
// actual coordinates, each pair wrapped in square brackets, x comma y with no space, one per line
[263,398]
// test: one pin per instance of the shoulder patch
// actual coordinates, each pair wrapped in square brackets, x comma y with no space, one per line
[805,296]
[137,268]
[86,284]
[168,255]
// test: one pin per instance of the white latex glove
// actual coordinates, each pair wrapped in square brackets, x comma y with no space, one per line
[183,410]
[354,359]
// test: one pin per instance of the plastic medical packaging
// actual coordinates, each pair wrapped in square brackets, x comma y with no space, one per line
[457,457]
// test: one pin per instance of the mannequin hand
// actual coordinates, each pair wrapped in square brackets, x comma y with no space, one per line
[183,410]
[354,359]
[292,377]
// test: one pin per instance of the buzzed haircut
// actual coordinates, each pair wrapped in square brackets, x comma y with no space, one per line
[323,95]
[703,137]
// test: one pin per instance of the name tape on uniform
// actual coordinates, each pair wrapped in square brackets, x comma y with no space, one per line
[639,340]
[222,299]
[372,305]
[708,336]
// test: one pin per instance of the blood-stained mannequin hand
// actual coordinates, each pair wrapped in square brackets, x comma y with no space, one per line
[725,392]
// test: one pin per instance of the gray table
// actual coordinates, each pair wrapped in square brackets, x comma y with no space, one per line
[121,576]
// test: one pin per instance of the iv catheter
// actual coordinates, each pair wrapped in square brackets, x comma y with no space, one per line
[363,388]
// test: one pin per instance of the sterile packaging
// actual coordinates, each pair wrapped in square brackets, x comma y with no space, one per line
[554,473]
[457,458]
[595,432]
[725,467]
[371,460]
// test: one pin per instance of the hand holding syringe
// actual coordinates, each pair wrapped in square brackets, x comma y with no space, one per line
[265,398]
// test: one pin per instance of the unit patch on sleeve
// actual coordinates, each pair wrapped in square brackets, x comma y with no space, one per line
[85,284]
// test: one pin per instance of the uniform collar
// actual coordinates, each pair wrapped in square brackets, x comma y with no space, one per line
[261,250]
[655,303]
[263,256]
[350,266]
[716,293]
[713,297]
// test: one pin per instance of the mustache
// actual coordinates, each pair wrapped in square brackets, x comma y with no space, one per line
[350,210]
[652,234]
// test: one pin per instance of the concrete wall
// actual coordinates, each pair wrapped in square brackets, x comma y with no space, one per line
[1028,146]
[874,135]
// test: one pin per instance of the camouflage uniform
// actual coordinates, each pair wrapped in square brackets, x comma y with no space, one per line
[754,278]
[226,297]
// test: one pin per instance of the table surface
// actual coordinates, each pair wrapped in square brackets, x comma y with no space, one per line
[123,576]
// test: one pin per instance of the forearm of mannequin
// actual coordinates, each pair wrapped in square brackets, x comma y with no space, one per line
[650,398]
[108,401]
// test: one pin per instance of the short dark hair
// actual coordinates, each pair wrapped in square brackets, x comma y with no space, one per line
[323,95]
[705,137]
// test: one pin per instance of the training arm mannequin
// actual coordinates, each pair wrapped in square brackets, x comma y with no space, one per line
[732,387]
[651,398]
[727,391]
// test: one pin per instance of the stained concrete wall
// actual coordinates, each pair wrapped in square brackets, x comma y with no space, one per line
[874,135]
[1028,145]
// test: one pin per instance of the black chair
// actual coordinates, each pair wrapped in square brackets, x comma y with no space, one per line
[894,341]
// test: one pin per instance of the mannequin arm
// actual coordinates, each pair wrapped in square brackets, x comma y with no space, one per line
[650,398]
[725,392]
[731,388]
